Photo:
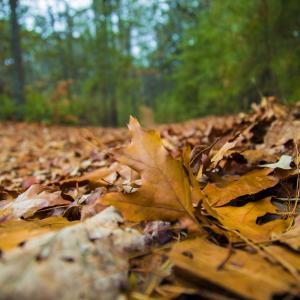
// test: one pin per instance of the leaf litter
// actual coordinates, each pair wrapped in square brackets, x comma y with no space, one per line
[207,209]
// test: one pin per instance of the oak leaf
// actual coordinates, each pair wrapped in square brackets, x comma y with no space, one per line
[165,192]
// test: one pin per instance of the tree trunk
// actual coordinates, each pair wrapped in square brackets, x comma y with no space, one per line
[16,51]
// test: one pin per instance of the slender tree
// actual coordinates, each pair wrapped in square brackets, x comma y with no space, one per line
[16,51]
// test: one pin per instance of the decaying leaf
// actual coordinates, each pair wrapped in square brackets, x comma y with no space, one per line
[208,221]
[165,192]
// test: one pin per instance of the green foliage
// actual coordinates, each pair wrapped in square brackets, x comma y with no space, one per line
[36,108]
[194,58]
[236,53]
[8,108]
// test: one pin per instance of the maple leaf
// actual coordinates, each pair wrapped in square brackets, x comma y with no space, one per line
[165,193]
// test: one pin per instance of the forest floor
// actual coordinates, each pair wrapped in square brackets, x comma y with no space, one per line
[206,209]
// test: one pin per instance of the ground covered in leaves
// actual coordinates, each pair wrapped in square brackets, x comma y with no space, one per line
[206,209]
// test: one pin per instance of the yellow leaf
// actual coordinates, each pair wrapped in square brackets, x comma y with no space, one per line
[244,219]
[165,192]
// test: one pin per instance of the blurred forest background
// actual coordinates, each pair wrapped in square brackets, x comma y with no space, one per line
[97,61]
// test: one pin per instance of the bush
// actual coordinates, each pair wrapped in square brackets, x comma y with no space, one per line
[8,109]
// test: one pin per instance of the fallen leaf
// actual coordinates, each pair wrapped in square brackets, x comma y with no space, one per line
[95,178]
[291,237]
[282,131]
[165,191]
[196,193]
[255,156]
[223,150]
[243,274]
[248,184]
[288,258]
[14,232]
[93,204]
[245,219]
[33,199]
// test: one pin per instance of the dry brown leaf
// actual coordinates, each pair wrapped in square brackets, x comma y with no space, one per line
[93,204]
[219,155]
[248,184]
[282,131]
[35,198]
[243,274]
[165,192]
[95,178]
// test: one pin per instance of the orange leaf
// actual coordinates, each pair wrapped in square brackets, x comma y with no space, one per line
[165,192]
